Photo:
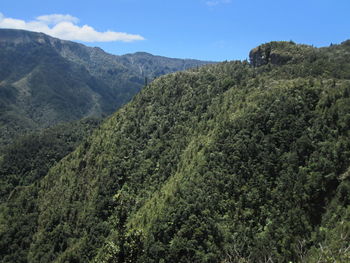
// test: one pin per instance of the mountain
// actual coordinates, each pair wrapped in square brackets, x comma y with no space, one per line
[45,80]
[233,162]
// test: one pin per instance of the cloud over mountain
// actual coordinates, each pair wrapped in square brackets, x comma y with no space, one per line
[66,27]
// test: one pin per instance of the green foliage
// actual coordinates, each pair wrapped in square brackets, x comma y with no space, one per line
[225,163]
[22,166]
[332,238]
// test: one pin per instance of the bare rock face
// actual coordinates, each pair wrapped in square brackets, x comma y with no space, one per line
[259,56]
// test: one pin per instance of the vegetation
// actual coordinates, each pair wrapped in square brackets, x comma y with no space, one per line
[234,162]
[23,164]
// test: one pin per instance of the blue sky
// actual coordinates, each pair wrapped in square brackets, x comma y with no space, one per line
[201,29]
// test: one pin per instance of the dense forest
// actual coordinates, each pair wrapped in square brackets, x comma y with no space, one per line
[233,162]
[22,166]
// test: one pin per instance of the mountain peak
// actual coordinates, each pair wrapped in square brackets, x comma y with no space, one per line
[277,53]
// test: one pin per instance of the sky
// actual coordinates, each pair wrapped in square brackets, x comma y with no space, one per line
[215,30]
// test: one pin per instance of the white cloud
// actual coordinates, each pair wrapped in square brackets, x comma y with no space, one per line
[66,27]
[57,18]
[217,2]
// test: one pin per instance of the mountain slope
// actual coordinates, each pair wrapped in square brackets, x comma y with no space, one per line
[233,162]
[44,80]
[22,166]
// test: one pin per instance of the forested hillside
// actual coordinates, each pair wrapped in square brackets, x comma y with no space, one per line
[45,81]
[234,162]
[22,165]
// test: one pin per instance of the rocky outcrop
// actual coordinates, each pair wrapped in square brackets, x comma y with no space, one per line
[277,53]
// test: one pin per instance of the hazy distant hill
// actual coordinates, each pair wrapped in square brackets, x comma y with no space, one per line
[45,80]
[234,162]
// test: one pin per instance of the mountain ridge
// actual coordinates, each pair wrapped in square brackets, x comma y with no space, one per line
[45,80]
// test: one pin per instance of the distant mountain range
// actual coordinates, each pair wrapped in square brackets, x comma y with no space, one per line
[45,80]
